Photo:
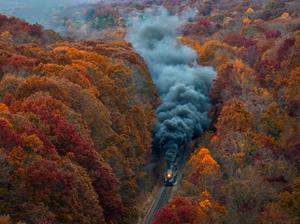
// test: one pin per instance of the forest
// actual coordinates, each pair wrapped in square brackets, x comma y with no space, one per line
[78,111]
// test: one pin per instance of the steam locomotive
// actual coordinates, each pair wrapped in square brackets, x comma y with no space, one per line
[174,159]
[170,176]
[175,156]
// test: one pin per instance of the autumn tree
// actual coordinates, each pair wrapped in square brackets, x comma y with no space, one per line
[180,210]
[234,117]
[204,173]
[292,92]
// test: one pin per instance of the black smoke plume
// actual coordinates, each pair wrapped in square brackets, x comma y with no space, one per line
[182,84]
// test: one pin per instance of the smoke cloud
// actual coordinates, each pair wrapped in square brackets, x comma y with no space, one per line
[182,84]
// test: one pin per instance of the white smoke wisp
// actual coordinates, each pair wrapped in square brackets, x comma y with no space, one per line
[182,84]
[38,11]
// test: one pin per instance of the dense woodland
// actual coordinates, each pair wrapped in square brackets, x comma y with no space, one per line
[246,169]
[75,127]
[76,117]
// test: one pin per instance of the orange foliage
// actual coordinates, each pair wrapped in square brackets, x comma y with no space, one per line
[202,162]
[191,210]
[234,117]
[5,219]
[69,109]
[208,208]
[215,52]
[3,108]
[193,44]
[32,142]
[66,105]
[234,79]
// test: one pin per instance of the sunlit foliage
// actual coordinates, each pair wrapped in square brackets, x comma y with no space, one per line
[75,121]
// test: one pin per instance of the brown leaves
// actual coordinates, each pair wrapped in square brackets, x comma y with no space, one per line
[73,102]
[234,117]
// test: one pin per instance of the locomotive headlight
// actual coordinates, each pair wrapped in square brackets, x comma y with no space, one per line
[169,175]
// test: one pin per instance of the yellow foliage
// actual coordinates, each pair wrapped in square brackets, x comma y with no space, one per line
[265,93]
[76,54]
[205,205]
[6,36]
[208,207]
[247,21]
[285,16]
[249,10]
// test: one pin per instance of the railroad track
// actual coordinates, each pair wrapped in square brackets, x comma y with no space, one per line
[162,199]
[165,193]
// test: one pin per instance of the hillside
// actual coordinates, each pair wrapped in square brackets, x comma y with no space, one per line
[95,112]
[76,121]
[246,169]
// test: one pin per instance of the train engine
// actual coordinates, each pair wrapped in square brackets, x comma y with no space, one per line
[170,176]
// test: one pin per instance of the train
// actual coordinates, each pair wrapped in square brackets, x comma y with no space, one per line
[175,160]
[171,175]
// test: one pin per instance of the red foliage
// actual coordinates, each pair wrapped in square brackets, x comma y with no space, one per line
[44,177]
[35,30]
[48,146]
[279,179]
[166,216]
[60,112]
[293,107]
[180,210]
[186,212]
[264,68]
[204,22]
[19,63]
[16,26]
[273,34]
[238,40]
[283,50]
[3,19]
[8,138]
[104,181]
[67,139]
